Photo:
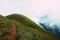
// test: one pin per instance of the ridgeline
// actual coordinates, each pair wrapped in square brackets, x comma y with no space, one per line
[20,27]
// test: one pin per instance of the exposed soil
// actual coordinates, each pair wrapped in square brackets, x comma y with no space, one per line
[13,34]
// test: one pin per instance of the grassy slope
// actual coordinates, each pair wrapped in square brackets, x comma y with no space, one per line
[5,27]
[25,20]
[25,32]
[27,24]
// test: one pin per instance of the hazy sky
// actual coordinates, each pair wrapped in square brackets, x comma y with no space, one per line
[32,8]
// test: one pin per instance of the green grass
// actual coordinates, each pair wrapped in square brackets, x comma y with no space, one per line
[25,32]
[26,21]
[5,27]
[23,19]
[26,28]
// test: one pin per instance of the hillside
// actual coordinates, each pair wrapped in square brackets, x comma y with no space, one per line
[25,32]
[23,19]
[6,26]
[19,27]
[26,21]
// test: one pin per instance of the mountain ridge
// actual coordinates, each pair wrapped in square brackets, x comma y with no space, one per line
[26,29]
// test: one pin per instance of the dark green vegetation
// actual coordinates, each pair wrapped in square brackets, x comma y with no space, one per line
[5,27]
[25,32]
[24,20]
[25,29]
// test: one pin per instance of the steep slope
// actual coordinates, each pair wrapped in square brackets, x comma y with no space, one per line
[30,24]
[23,19]
[15,30]
[25,32]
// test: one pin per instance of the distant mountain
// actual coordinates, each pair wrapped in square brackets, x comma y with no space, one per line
[19,27]
[50,26]
[55,31]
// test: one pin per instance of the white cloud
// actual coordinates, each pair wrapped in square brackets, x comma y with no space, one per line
[31,8]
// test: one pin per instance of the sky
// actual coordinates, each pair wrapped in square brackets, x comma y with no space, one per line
[34,9]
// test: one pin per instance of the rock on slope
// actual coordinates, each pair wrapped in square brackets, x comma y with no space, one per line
[19,27]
